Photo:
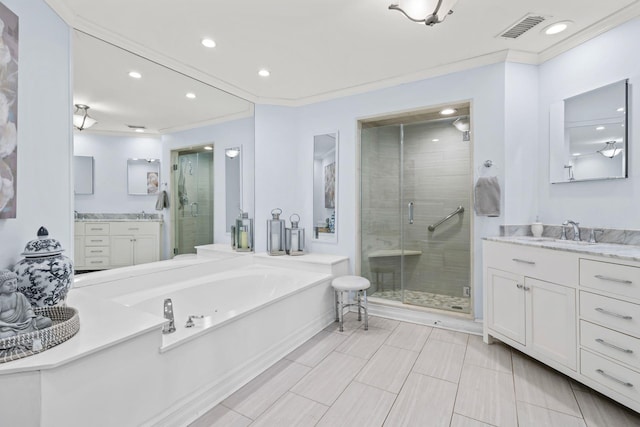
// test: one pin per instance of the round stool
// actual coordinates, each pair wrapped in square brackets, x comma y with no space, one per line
[356,284]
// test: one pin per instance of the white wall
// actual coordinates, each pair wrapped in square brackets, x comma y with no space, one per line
[110,154]
[284,149]
[44,180]
[611,57]
[223,135]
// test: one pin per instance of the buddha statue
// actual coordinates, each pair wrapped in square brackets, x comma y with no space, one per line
[16,314]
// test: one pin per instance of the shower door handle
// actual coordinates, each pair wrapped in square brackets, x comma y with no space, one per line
[410,212]
[194,204]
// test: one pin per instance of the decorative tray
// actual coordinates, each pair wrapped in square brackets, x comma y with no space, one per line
[66,324]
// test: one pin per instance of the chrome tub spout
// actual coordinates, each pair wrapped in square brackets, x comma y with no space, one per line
[168,314]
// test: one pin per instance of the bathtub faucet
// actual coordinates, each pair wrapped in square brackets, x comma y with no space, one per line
[168,314]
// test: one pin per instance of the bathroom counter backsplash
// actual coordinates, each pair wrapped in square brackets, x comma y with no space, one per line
[613,243]
[87,217]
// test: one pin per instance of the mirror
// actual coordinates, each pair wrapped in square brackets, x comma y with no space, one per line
[233,184]
[588,135]
[325,187]
[83,175]
[143,177]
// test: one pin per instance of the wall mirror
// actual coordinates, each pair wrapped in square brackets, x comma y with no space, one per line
[325,187]
[233,184]
[143,177]
[588,135]
[83,175]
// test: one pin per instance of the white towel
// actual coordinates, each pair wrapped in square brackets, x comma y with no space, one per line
[487,196]
[163,200]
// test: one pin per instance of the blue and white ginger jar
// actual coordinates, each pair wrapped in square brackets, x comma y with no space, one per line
[44,275]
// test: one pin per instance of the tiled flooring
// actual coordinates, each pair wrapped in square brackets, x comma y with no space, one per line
[428,299]
[402,374]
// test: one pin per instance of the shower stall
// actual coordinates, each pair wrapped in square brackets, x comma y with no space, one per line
[192,199]
[415,209]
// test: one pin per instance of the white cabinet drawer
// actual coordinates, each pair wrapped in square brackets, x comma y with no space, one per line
[621,347]
[611,375]
[134,228]
[96,241]
[544,264]
[96,262]
[622,280]
[96,228]
[615,314]
[96,251]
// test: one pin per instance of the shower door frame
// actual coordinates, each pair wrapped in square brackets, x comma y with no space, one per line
[358,255]
[174,156]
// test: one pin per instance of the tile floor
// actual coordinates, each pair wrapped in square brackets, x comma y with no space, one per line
[403,374]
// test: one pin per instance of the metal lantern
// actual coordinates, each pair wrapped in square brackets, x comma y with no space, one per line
[275,233]
[295,237]
[243,236]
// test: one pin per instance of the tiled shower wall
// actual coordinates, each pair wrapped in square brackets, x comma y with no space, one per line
[197,229]
[437,178]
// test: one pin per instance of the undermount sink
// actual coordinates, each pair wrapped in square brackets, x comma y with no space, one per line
[555,241]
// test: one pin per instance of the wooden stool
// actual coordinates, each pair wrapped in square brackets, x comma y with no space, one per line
[357,284]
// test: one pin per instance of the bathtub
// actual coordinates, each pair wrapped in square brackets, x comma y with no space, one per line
[255,311]
[217,299]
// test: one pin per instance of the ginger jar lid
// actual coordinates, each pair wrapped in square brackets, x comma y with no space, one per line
[42,246]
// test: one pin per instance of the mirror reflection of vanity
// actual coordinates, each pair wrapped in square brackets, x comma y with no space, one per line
[588,135]
[325,187]
[143,177]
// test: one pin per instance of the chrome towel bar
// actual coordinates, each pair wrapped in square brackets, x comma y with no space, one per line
[459,210]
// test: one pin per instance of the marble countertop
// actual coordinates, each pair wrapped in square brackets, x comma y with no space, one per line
[119,220]
[117,217]
[609,250]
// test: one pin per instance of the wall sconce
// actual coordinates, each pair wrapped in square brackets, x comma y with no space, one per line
[430,12]
[232,152]
[462,124]
[81,118]
[609,150]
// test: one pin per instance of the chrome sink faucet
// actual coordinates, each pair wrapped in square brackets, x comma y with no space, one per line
[576,229]
[168,314]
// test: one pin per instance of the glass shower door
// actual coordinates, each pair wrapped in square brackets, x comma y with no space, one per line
[193,201]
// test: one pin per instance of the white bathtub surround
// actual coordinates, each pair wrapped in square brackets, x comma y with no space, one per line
[120,359]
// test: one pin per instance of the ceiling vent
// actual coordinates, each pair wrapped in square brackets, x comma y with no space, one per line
[522,26]
[134,127]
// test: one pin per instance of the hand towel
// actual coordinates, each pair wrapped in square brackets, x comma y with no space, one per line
[163,200]
[487,196]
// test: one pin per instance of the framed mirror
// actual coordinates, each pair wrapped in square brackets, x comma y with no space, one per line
[325,187]
[83,175]
[143,177]
[233,184]
[589,135]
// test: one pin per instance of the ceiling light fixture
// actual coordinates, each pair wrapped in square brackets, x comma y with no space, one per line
[232,152]
[462,124]
[81,118]
[435,140]
[135,74]
[600,128]
[264,73]
[448,111]
[556,28]
[208,147]
[430,12]
[208,43]
[620,110]
[609,150]
[191,95]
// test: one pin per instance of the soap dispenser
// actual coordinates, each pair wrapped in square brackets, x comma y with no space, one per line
[537,228]
[276,233]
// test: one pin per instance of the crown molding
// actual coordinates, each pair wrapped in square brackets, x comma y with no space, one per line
[620,17]
[222,119]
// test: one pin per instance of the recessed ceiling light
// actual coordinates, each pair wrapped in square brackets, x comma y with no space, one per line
[576,154]
[208,147]
[208,42]
[191,95]
[620,110]
[140,130]
[264,73]
[435,140]
[135,74]
[556,28]
[447,111]
[600,128]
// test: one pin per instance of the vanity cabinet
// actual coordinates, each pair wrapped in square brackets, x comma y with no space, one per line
[118,244]
[536,316]
[576,312]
